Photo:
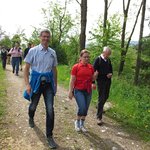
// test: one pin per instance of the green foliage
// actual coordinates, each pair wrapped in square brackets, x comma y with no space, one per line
[16,38]
[6,42]
[112,32]
[64,75]
[131,105]
[58,20]
[34,39]
[2,92]
[71,48]
[145,62]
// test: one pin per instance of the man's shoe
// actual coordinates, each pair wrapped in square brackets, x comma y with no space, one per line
[99,122]
[13,71]
[31,122]
[52,144]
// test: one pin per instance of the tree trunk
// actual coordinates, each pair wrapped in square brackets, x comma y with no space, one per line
[83,24]
[123,53]
[105,22]
[138,62]
[122,60]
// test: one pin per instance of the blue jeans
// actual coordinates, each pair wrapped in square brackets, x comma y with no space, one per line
[83,99]
[15,64]
[48,95]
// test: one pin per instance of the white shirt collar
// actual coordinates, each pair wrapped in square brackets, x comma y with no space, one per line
[42,48]
[103,57]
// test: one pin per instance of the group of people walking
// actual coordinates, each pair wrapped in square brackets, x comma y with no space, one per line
[41,62]
[15,54]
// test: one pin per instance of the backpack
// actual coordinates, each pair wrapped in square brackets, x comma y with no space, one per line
[18,49]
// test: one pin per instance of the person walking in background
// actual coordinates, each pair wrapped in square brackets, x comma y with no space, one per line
[103,69]
[16,53]
[21,62]
[43,80]
[3,57]
[82,75]
[27,50]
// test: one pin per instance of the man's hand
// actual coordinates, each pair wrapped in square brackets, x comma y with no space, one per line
[70,95]
[28,89]
[109,75]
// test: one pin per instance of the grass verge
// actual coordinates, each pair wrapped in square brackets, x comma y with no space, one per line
[2,93]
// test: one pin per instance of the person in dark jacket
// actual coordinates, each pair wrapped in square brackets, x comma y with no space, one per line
[27,50]
[103,67]
[4,57]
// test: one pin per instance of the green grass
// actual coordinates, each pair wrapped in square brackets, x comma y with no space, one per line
[2,92]
[64,75]
[131,103]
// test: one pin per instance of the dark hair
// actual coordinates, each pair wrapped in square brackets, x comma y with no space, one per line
[29,44]
[46,31]
[17,43]
[83,52]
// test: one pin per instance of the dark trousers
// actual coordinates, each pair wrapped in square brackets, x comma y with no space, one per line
[15,64]
[4,63]
[48,95]
[103,94]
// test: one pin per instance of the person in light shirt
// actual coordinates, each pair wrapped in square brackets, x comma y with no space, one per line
[15,53]
[42,61]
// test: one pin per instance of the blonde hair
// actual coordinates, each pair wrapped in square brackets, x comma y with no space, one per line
[83,52]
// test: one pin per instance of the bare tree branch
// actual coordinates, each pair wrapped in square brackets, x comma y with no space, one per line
[123,5]
[78,2]
[137,16]
[61,20]
[109,4]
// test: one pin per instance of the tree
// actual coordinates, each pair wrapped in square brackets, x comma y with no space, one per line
[83,7]
[106,7]
[16,38]
[1,32]
[58,20]
[124,44]
[139,51]
[34,39]
[112,32]
[6,42]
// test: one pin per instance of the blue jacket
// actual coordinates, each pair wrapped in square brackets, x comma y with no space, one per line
[35,82]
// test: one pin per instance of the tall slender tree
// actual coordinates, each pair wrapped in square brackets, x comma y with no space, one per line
[106,7]
[139,51]
[83,6]
[125,13]
[125,44]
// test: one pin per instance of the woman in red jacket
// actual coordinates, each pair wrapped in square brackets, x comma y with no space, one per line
[82,76]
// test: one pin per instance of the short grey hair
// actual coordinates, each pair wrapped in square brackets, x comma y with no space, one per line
[45,30]
[106,48]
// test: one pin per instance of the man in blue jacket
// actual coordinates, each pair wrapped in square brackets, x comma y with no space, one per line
[43,61]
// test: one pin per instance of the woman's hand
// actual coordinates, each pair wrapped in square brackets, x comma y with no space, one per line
[95,75]
[70,95]
[93,86]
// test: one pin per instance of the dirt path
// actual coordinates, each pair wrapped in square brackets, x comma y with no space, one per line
[18,136]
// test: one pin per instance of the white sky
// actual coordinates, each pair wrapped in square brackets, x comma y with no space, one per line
[27,13]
